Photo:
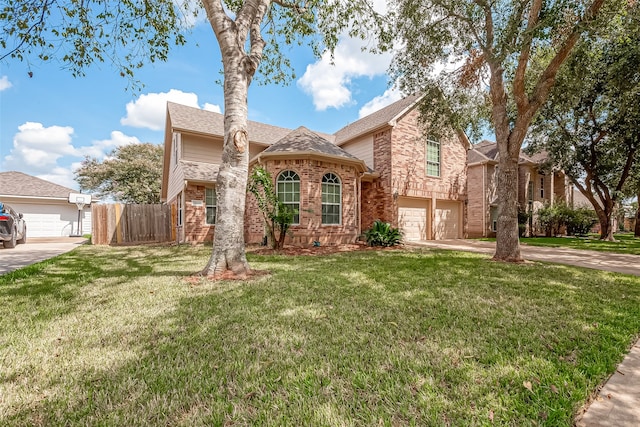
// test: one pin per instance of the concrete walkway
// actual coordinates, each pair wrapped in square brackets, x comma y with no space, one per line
[618,402]
[36,250]
[619,263]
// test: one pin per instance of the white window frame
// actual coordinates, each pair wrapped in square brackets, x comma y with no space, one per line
[291,177]
[429,161]
[331,181]
[180,210]
[208,206]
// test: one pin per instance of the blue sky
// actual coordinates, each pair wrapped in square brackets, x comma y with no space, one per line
[50,121]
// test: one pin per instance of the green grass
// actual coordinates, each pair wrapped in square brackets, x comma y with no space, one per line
[120,337]
[625,243]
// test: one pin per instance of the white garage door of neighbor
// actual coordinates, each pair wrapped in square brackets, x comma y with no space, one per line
[412,219]
[53,220]
[447,220]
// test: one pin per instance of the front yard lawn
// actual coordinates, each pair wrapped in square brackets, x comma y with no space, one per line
[625,243]
[122,337]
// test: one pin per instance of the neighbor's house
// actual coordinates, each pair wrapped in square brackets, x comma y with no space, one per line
[45,205]
[538,186]
[379,167]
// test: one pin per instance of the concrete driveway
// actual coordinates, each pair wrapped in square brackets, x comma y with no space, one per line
[619,263]
[36,250]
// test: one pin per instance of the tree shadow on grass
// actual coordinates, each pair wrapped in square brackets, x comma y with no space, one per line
[430,338]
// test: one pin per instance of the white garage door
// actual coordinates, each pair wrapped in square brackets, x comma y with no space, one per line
[412,219]
[447,220]
[53,220]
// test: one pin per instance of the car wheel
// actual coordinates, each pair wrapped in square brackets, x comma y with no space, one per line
[9,244]
[24,237]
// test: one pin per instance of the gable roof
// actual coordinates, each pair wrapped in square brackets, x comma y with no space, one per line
[303,142]
[18,184]
[195,120]
[487,151]
[384,117]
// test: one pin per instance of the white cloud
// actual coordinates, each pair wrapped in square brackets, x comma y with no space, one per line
[37,148]
[212,107]
[40,151]
[388,97]
[5,83]
[60,176]
[100,148]
[149,110]
[328,83]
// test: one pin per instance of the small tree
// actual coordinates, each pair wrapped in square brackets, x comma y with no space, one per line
[277,216]
[130,174]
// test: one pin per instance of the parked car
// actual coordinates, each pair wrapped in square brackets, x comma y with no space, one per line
[13,228]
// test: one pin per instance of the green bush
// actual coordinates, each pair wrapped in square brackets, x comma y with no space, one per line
[578,222]
[581,221]
[382,234]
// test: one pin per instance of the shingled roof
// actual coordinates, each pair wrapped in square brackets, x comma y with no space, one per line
[18,184]
[486,151]
[303,142]
[199,171]
[210,123]
[381,118]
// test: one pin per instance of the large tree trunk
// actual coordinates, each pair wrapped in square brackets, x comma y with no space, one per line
[228,243]
[637,227]
[606,227]
[507,239]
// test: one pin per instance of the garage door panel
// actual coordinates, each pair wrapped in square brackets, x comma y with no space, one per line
[447,220]
[52,220]
[413,223]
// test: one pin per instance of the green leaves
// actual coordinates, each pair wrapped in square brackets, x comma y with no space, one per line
[130,174]
[79,33]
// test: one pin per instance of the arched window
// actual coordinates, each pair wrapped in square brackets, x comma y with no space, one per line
[288,190]
[331,199]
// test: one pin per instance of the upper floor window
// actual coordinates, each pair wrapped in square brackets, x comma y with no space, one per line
[210,205]
[288,190]
[542,187]
[433,157]
[331,199]
[176,146]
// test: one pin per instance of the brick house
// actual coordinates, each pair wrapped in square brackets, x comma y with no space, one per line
[538,185]
[379,167]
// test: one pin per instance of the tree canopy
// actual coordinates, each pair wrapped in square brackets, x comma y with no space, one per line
[473,60]
[130,174]
[589,125]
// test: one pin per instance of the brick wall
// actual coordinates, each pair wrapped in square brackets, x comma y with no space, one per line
[478,205]
[377,198]
[400,159]
[311,228]
[195,226]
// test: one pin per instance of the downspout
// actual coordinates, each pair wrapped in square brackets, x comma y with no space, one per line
[359,204]
[484,201]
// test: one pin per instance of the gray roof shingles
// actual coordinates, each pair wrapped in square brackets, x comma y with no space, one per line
[304,140]
[199,171]
[20,184]
[208,122]
[375,120]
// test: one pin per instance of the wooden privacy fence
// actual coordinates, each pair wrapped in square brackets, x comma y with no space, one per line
[116,224]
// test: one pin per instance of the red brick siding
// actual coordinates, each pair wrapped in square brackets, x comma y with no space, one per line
[478,205]
[196,228]
[310,228]
[377,198]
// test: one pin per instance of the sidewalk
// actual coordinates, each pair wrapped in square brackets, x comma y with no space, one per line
[618,402]
[619,263]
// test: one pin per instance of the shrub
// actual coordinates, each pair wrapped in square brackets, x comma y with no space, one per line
[382,234]
[577,221]
[581,221]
